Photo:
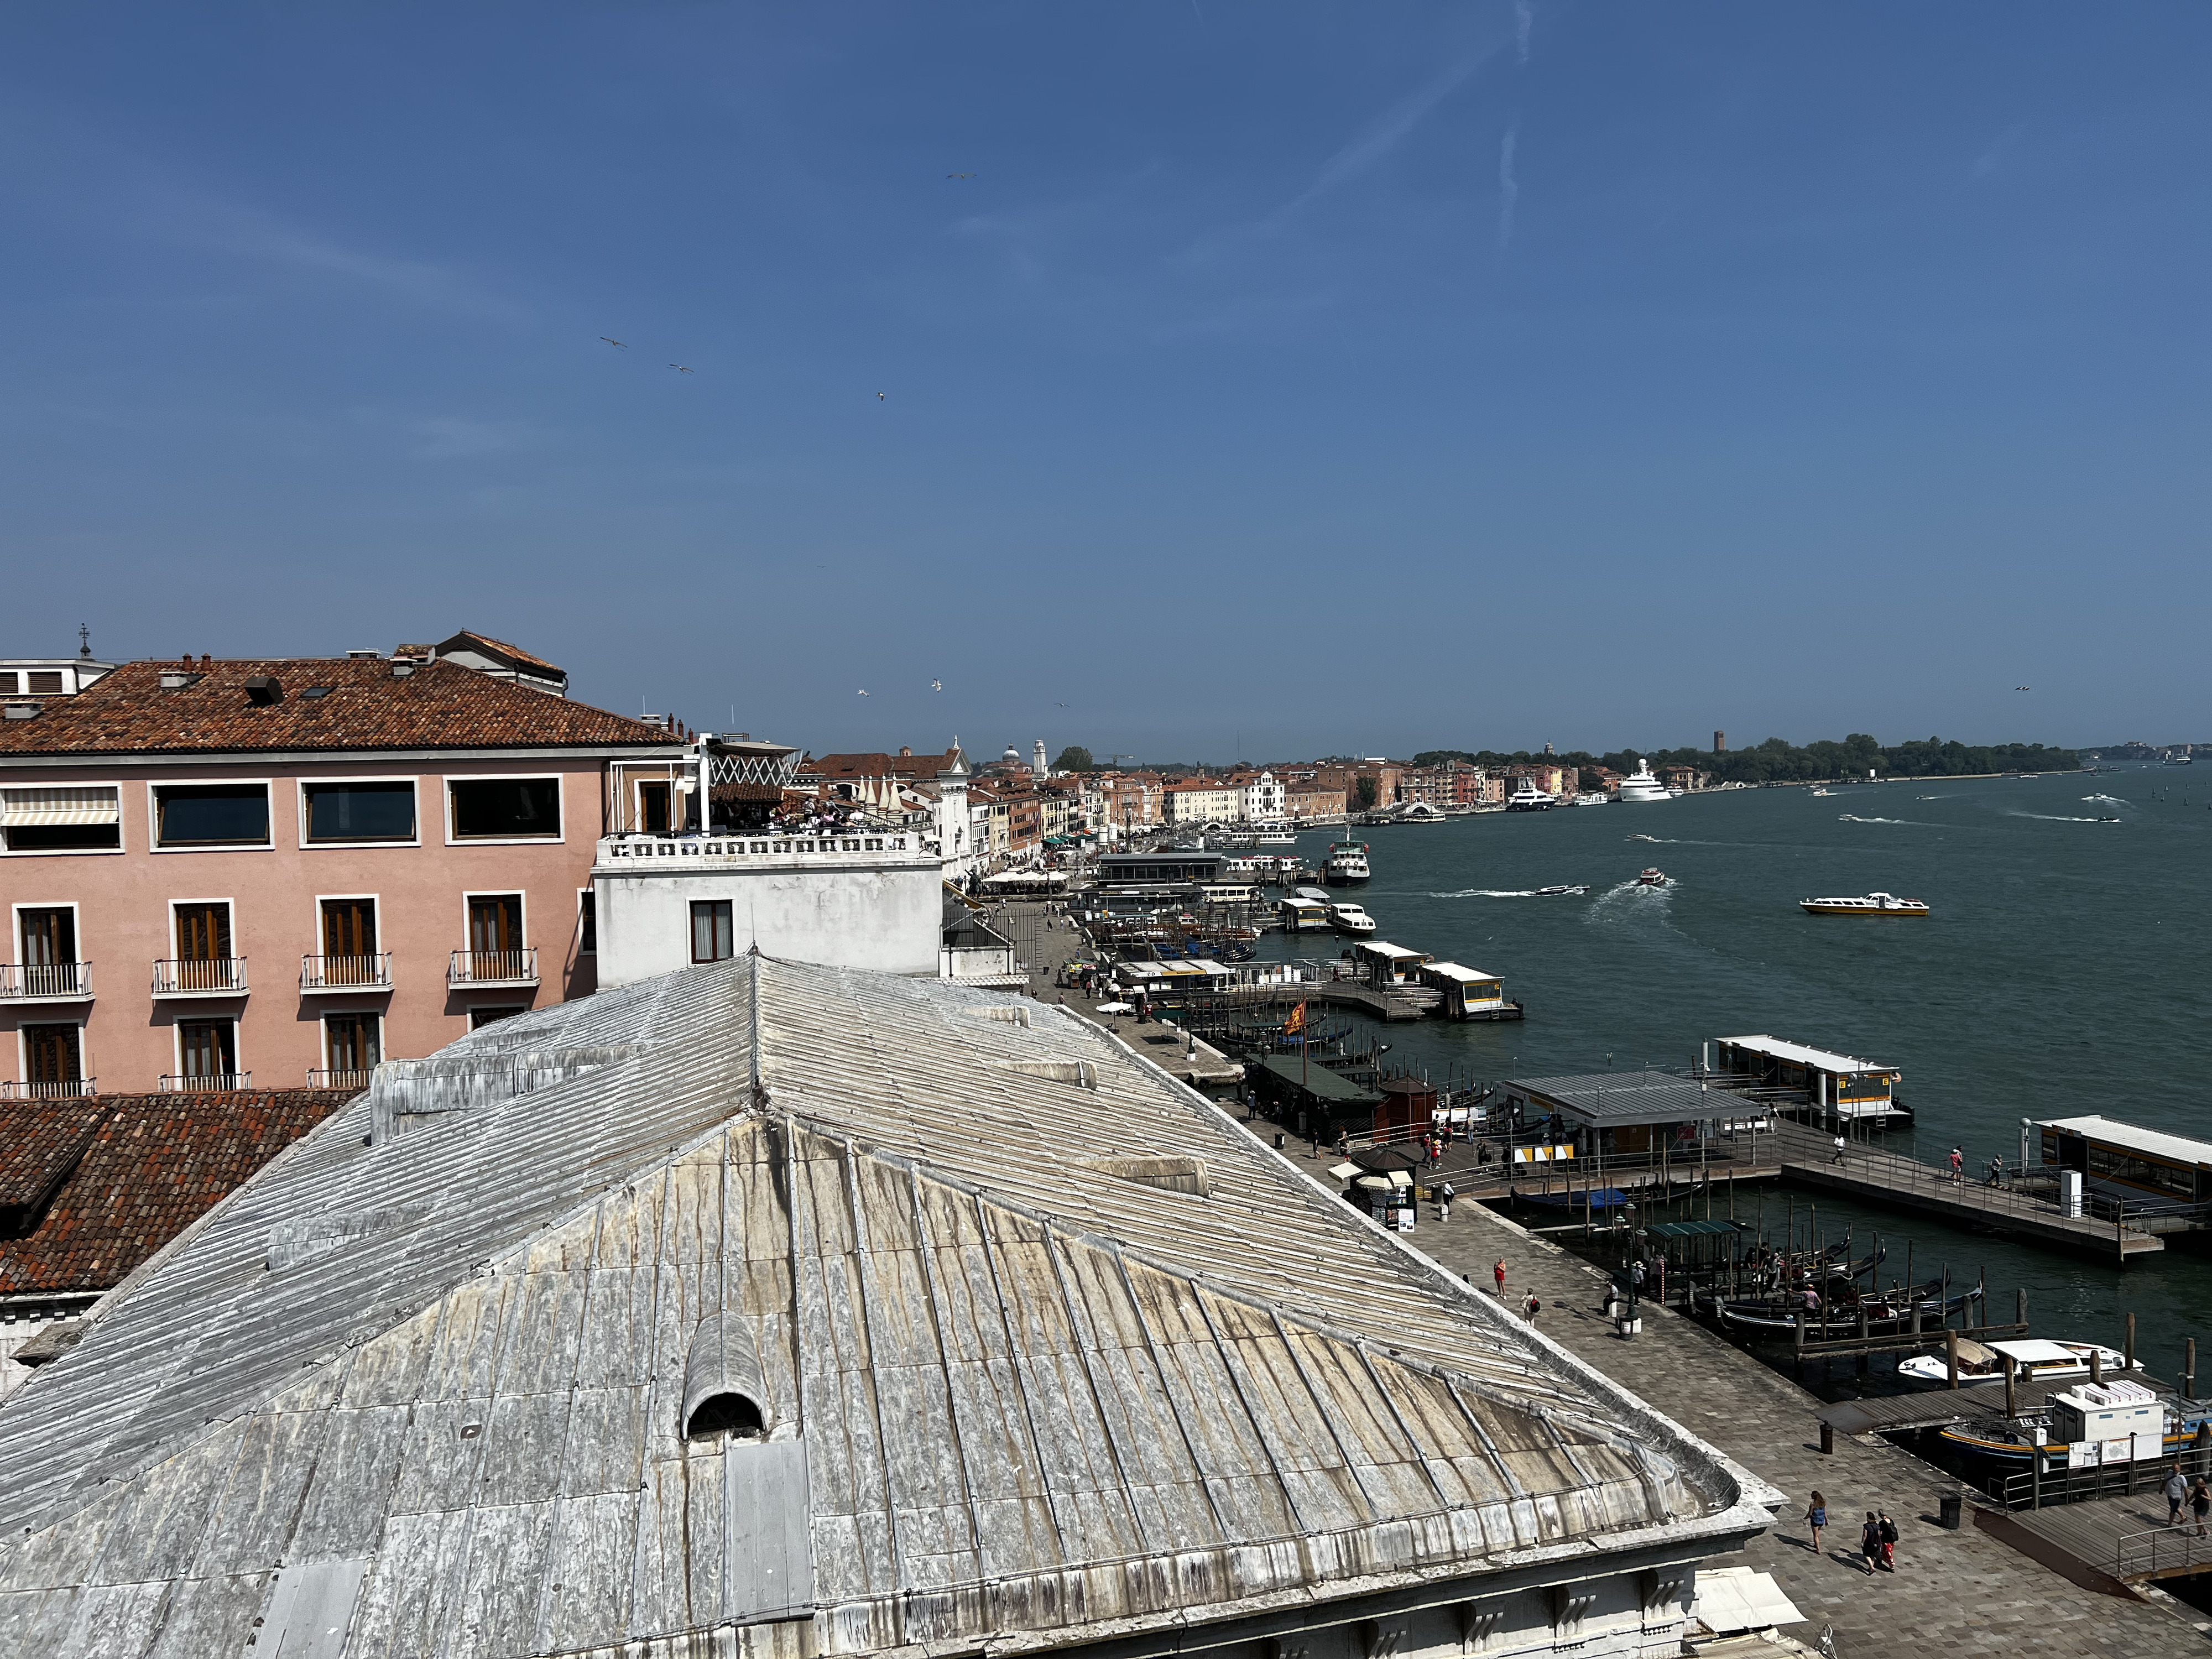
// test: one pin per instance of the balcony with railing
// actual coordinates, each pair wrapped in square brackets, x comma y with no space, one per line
[369,973]
[45,981]
[206,1083]
[337,1078]
[644,854]
[75,1088]
[212,976]
[473,970]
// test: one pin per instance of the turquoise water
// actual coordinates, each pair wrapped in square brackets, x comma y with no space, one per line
[2062,972]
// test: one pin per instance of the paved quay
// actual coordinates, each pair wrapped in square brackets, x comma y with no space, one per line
[1964,1592]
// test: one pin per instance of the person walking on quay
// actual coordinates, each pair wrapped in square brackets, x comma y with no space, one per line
[1816,1517]
[1888,1540]
[2200,1501]
[1444,1196]
[1838,1158]
[1870,1542]
[1532,1307]
[1500,1270]
[1958,1166]
[2177,1494]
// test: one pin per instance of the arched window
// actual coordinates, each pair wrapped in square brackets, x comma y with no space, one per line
[724,1392]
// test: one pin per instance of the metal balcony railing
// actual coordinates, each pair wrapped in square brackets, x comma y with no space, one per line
[75,1088]
[47,981]
[493,968]
[206,1083]
[368,973]
[212,976]
[337,1078]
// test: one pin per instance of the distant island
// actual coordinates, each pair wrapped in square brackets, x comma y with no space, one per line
[1776,760]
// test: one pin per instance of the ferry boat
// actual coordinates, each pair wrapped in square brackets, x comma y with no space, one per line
[1274,834]
[1641,786]
[1528,798]
[1348,864]
[1349,918]
[1652,878]
[1982,1364]
[2179,758]
[1873,904]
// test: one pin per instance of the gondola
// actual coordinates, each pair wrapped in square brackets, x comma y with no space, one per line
[1888,1311]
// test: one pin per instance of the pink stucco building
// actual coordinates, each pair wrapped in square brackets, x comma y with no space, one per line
[276,873]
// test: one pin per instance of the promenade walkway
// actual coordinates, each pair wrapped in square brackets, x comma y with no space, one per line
[1955,1592]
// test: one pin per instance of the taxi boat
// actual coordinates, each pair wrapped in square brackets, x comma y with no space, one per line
[1872,904]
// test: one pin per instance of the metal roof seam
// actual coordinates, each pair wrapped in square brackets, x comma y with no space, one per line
[1013,1352]
[1205,1475]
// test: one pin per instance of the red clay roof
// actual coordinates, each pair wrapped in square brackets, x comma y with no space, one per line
[440,705]
[152,1165]
[501,648]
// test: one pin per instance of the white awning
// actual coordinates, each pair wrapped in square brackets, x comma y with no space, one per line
[25,809]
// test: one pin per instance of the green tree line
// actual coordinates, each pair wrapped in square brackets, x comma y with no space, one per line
[1778,761]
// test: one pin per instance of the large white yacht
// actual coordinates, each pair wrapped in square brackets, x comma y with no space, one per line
[1641,786]
[1528,798]
[1348,864]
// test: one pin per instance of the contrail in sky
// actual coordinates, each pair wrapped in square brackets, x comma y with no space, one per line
[1509,188]
[1524,19]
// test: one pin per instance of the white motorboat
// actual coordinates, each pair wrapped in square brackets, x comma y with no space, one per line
[1348,864]
[1317,895]
[1528,798]
[1873,904]
[1349,918]
[2035,1360]
[1830,792]
[1554,892]
[1596,800]
[1652,878]
[1641,786]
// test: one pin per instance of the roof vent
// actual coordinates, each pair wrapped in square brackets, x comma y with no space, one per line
[176,679]
[1005,1016]
[1081,1073]
[23,711]
[1169,1175]
[263,689]
[401,671]
[724,1392]
[373,655]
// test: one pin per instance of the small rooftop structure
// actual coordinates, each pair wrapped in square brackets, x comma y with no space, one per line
[793,1311]
[1607,1100]
[502,662]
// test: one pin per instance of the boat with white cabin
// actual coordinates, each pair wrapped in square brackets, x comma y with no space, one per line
[1349,918]
[1528,798]
[2034,1360]
[1872,904]
[1348,864]
[1641,786]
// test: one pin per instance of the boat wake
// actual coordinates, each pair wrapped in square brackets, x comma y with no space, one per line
[1853,817]
[1656,841]
[2053,817]
[2104,800]
[1512,892]
[1630,892]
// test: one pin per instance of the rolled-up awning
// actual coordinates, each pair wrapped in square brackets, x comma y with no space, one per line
[25,809]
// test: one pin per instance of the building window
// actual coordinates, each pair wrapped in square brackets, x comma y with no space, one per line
[495,922]
[714,938]
[61,820]
[211,815]
[208,1050]
[360,811]
[49,936]
[587,924]
[480,1017]
[349,953]
[353,1043]
[44,682]
[506,809]
[54,1056]
[204,947]
[652,808]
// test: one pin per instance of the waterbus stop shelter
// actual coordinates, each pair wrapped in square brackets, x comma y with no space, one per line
[1619,1112]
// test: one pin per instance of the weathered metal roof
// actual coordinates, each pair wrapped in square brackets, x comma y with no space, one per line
[1612,1099]
[422,1386]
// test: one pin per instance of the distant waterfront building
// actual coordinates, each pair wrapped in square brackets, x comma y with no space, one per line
[1204,800]
[768,1311]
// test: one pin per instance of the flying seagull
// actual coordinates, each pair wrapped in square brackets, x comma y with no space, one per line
[879,397]
[864,693]
[960,175]
[611,341]
[2023,688]
[679,368]
[937,685]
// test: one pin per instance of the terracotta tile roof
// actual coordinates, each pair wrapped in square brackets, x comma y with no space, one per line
[150,1166]
[440,705]
[514,653]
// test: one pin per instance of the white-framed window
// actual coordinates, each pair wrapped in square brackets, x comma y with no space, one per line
[215,816]
[383,811]
[45,818]
[50,1054]
[353,1042]
[494,922]
[207,1050]
[45,934]
[506,807]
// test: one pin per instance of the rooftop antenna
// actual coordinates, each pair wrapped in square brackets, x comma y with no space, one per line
[84,642]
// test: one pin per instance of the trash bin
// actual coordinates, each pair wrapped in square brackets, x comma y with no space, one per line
[1947,1514]
[1827,1438]
[1278,1140]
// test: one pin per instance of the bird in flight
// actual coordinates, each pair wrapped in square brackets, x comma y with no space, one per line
[679,368]
[937,685]
[960,175]
[879,397]
[864,693]
[611,341]
[2023,688]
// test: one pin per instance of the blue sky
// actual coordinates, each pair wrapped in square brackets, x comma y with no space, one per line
[1285,379]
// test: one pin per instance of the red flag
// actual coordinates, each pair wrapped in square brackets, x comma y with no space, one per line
[1297,1022]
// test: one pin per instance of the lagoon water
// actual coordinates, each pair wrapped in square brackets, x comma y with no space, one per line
[2063,972]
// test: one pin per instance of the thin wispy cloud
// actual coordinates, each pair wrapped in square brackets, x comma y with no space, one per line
[1389,129]
[1509,186]
[1524,20]
[1990,159]
[456,437]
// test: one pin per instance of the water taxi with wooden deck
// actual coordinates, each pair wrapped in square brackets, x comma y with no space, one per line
[2034,1361]
[1872,904]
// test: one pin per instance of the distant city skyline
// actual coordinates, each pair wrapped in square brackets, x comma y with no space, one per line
[1161,378]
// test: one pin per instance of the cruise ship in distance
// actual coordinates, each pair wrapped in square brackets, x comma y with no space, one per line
[1641,786]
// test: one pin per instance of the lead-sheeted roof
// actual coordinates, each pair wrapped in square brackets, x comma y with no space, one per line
[1029,1399]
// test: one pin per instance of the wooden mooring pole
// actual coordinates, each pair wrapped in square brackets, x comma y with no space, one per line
[2012,1391]
[2128,1349]
[1951,1355]
[2189,1369]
